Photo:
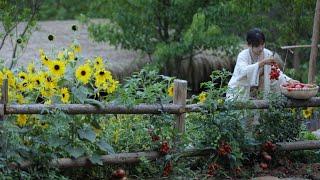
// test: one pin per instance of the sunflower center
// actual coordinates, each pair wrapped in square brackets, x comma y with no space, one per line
[83,73]
[56,67]
[63,95]
[22,77]
[38,82]
[101,73]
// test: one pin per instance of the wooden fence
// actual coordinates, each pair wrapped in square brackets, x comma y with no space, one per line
[179,108]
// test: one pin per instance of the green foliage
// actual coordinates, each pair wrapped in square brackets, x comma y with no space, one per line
[278,124]
[146,86]
[168,29]
[12,15]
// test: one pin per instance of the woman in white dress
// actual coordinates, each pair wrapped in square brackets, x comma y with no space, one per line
[247,79]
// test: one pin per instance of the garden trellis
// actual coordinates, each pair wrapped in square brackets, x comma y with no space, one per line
[178,107]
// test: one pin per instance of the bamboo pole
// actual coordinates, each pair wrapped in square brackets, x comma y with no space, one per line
[297,46]
[314,44]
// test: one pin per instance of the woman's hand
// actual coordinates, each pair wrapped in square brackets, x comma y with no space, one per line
[268,61]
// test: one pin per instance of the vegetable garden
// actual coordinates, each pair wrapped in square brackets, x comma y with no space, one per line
[66,116]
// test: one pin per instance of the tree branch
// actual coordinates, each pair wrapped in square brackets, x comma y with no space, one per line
[35,9]
[6,35]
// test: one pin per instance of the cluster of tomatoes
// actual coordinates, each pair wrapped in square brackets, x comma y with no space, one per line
[275,72]
[267,147]
[293,86]
[224,149]
[167,169]
[154,136]
[164,148]
[119,174]
[212,169]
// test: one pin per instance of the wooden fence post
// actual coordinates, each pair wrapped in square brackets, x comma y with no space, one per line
[180,98]
[314,48]
[4,98]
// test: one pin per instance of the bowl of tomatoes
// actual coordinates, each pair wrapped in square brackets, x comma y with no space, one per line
[299,90]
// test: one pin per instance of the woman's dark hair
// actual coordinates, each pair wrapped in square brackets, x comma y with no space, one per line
[255,37]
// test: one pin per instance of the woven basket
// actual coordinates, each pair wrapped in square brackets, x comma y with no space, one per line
[300,93]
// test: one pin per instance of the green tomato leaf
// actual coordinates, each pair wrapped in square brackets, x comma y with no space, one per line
[87,134]
[104,146]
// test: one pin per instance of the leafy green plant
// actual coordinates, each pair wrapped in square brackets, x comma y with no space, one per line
[278,124]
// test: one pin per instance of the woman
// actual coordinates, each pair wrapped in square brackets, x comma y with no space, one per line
[247,80]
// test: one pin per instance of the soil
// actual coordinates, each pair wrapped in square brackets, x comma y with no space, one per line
[293,171]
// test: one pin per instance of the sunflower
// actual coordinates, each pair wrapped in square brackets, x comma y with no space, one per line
[76,48]
[22,75]
[10,76]
[101,76]
[21,120]
[71,56]
[111,86]
[57,68]
[42,125]
[65,96]
[45,60]
[61,55]
[49,81]
[47,93]
[98,63]
[202,97]
[1,78]
[170,90]
[31,68]
[307,112]
[83,73]
[25,85]
[37,80]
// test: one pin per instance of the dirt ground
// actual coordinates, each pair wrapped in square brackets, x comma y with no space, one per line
[119,59]
[295,171]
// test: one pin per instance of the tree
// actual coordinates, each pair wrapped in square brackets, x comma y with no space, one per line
[13,14]
[172,31]
[169,31]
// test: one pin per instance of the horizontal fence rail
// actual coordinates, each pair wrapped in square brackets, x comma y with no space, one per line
[178,107]
[143,108]
[134,157]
